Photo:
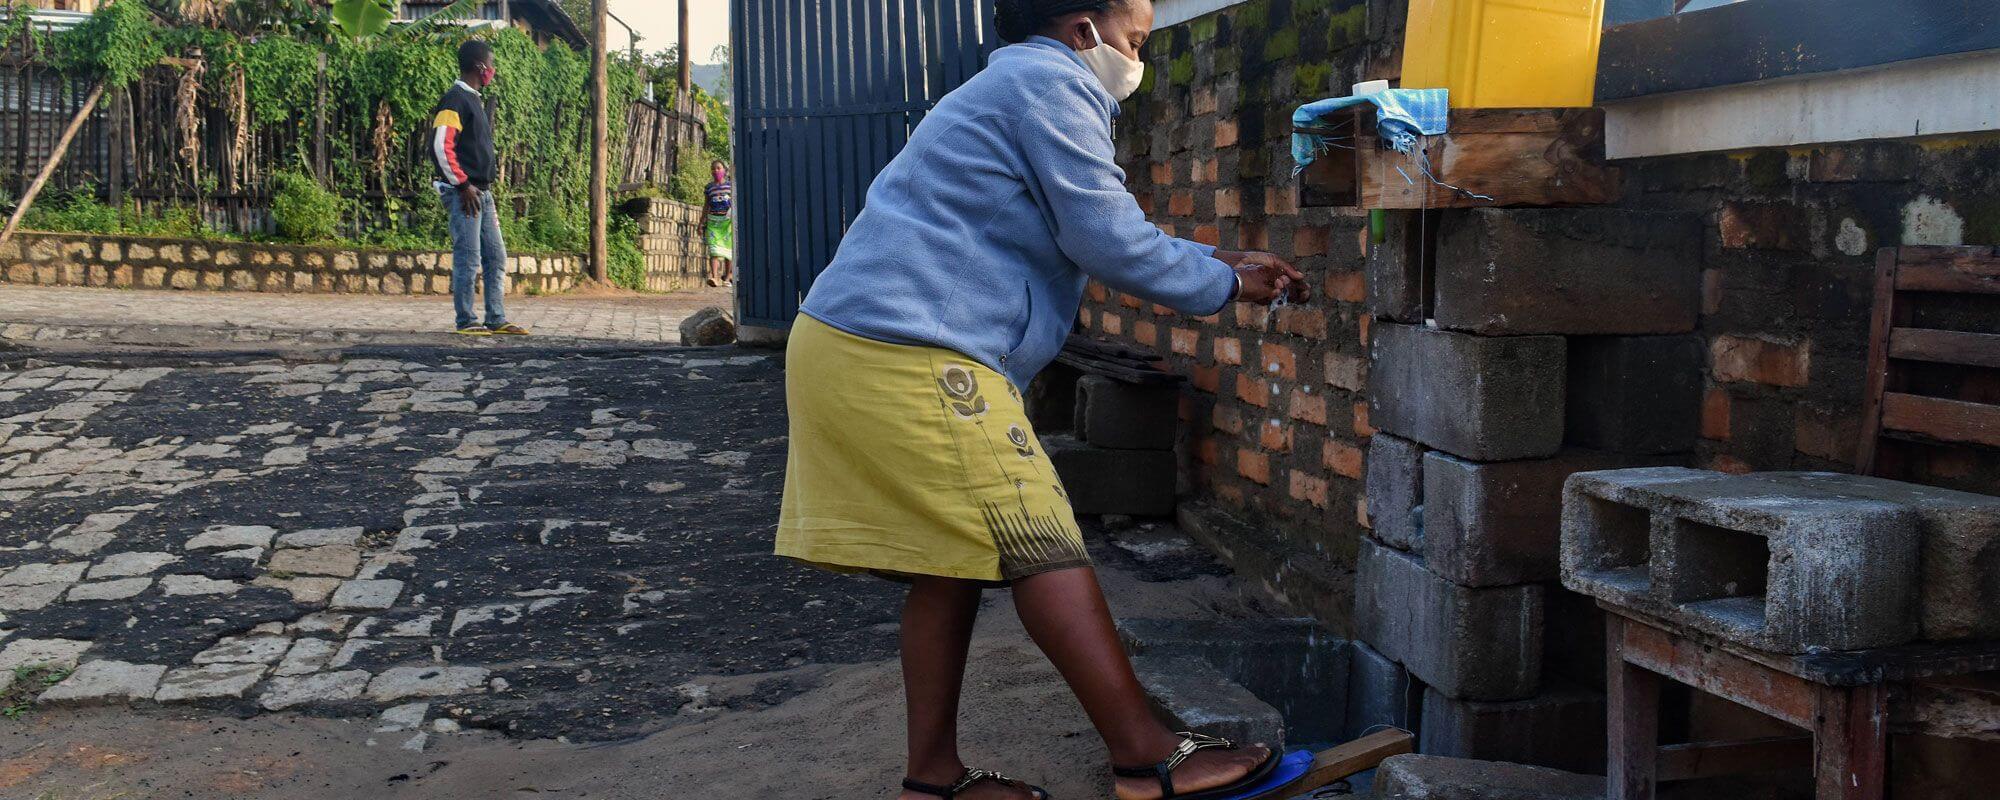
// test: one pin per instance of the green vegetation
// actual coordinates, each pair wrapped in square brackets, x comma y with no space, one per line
[1283,44]
[1251,16]
[1347,28]
[261,69]
[1312,81]
[303,210]
[1181,71]
[30,680]
[80,211]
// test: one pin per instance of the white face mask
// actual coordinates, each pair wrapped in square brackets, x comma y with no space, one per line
[1119,74]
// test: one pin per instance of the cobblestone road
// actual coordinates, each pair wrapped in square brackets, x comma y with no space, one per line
[653,319]
[547,546]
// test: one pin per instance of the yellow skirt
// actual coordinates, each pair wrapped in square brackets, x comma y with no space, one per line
[915,461]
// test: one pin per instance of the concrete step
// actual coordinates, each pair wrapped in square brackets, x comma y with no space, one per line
[1294,665]
[1190,694]
[1415,777]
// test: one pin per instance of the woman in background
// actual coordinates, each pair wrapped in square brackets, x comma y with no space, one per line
[911,456]
[721,201]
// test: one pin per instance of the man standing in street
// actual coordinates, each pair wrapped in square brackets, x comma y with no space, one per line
[462,147]
[721,234]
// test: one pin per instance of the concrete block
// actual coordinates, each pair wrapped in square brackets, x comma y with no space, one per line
[1123,416]
[1562,728]
[1573,638]
[1295,665]
[1634,394]
[1500,523]
[1379,693]
[708,327]
[1517,271]
[1478,397]
[1785,567]
[1959,561]
[1395,267]
[1051,399]
[1306,577]
[1189,694]
[1396,491]
[1426,777]
[1104,481]
[1478,644]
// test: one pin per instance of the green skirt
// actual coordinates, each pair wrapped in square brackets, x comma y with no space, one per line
[721,238]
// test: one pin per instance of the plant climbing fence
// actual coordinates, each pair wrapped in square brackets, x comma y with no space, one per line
[208,130]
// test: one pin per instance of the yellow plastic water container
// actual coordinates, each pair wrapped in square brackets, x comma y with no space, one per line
[1505,53]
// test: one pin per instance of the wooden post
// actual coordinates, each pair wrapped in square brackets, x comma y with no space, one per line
[23,91]
[600,135]
[55,158]
[116,149]
[319,123]
[1632,709]
[1850,742]
[687,55]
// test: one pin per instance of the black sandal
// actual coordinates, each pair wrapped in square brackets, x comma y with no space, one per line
[1190,744]
[971,776]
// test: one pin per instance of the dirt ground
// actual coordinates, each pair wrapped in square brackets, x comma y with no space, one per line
[840,738]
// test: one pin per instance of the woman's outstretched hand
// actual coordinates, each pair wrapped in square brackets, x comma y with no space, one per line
[1265,276]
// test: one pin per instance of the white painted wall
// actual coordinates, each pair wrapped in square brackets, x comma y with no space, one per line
[1953,94]
[1175,12]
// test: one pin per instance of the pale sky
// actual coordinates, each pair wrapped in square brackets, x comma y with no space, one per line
[659,22]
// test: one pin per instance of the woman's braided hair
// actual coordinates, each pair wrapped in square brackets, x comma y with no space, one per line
[1020,19]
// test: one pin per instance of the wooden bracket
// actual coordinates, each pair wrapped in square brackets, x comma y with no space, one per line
[1516,156]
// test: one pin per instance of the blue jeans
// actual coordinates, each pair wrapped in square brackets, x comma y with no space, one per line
[476,248]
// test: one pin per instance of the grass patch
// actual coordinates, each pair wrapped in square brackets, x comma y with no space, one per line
[30,680]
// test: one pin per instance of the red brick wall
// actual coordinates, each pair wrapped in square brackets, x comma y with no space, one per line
[1788,282]
[1274,421]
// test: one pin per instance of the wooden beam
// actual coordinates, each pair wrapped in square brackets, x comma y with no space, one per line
[1945,347]
[1685,762]
[1941,419]
[1948,269]
[55,157]
[1874,382]
[1719,673]
[1355,757]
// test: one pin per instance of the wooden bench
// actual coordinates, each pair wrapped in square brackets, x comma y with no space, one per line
[1840,698]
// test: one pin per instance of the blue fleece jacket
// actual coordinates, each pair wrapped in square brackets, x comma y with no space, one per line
[980,235]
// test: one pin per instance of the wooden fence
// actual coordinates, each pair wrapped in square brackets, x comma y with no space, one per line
[173,138]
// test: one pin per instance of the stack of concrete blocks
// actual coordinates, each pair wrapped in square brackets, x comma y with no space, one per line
[1787,562]
[1118,454]
[1511,348]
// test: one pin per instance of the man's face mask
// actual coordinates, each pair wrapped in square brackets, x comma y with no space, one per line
[1119,74]
[486,75]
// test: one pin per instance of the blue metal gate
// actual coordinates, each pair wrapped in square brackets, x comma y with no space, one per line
[827,91]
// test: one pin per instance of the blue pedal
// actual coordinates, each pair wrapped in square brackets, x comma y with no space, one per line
[1292,767]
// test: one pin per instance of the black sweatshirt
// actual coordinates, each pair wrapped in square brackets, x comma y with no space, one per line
[462,138]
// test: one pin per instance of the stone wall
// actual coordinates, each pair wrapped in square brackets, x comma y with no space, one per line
[52,259]
[1749,275]
[671,236]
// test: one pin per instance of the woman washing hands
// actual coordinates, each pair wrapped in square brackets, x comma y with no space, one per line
[911,456]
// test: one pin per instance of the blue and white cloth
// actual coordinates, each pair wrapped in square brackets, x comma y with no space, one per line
[1402,115]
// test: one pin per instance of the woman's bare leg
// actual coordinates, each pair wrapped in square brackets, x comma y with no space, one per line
[1064,611]
[937,629]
